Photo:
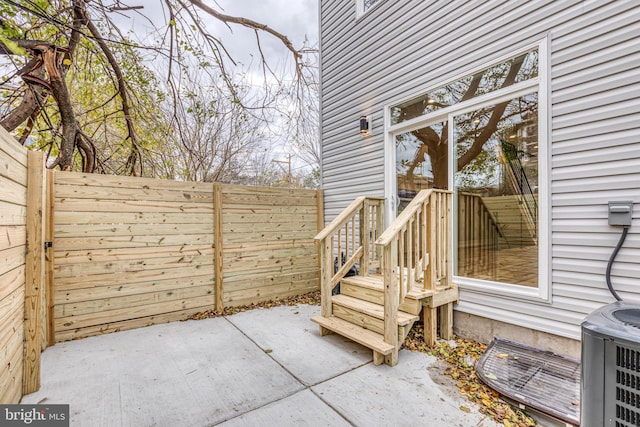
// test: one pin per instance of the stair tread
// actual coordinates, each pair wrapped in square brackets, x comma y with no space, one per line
[371,309]
[376,283]
[363,336]
[371,282]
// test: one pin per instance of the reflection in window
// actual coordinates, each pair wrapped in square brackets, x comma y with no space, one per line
[368,4]
[496,184]
[421,161]
[515,70]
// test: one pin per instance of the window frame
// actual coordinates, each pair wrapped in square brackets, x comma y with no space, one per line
[538,84]
[360,11]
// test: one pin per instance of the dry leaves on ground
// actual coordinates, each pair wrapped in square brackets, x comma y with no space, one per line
[462,355]
[312,298]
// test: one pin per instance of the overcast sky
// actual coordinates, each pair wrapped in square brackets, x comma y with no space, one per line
[297,19]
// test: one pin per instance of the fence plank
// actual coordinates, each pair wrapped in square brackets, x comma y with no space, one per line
[12,258]
[13,246]
[139,322]
[126,277]
[121,181]
[97,218]
[12,214]
[127,313]
[34,280]
[64,296]
[91,205]
[143,192]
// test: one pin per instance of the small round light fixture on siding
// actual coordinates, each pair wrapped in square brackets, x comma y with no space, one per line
[364,125]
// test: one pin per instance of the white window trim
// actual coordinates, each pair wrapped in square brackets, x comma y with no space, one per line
[360,12]
[540,84]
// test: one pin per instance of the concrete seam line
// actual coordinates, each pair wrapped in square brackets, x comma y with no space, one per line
[305,387]
[268,354]
[344,417]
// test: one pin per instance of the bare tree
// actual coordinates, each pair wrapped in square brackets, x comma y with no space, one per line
[208,136]
[433,142]
[52,44]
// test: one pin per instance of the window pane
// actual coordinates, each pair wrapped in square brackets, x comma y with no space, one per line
[515,70]
[368,4]
[496,185]
[421,161]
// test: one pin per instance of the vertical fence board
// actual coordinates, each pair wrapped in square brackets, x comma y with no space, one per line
[49,257]
[34,273]
[217,229]
[13,246]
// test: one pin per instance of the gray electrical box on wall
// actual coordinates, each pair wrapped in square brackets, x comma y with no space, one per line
[620,213]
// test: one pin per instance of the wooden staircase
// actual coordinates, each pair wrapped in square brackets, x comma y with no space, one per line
[516,228]
[404,272]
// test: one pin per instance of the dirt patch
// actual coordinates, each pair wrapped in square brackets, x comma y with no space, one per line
[459,357]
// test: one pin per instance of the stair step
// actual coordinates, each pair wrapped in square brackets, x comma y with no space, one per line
[371,288]
[371,309]
[367,338]
[374,282]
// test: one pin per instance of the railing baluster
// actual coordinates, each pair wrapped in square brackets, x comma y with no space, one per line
[353,233]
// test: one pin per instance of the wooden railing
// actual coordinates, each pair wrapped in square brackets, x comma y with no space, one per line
[417,253]
[517,176]
[478,238]
[350,238]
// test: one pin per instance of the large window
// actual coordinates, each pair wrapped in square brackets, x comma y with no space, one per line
[496,184]
[363,6]
[478,135]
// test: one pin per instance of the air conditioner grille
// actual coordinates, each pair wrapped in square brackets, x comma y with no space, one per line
[628,380]
[627,387]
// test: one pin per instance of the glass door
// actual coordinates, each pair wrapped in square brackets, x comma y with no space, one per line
[421,161]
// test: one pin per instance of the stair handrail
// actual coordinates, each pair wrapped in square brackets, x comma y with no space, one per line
[486,228]
[520,181]
[424,232]
[356,245]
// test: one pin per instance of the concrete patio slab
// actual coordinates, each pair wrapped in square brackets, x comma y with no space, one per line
[192,373]
[402,395]
[302,409]
[287,334]
[256,368]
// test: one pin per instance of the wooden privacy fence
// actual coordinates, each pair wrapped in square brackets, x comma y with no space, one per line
[130,252]
[21,269]
[85,254]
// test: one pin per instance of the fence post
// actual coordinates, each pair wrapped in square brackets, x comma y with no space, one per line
[320,224]
[34,272]
[218,241]
[50,335]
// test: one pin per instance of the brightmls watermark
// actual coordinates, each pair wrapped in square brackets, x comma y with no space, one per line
[34,415]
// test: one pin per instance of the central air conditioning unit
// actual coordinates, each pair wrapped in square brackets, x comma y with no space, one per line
[611,366]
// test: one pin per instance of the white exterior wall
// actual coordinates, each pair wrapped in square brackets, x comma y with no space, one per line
[400,48]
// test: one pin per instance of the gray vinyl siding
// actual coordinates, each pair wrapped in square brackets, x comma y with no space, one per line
[403,47]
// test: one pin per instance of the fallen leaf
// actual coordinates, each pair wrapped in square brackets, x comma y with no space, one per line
[575,403]
[465,409]
[268,351]
[502,355]
[491,377]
